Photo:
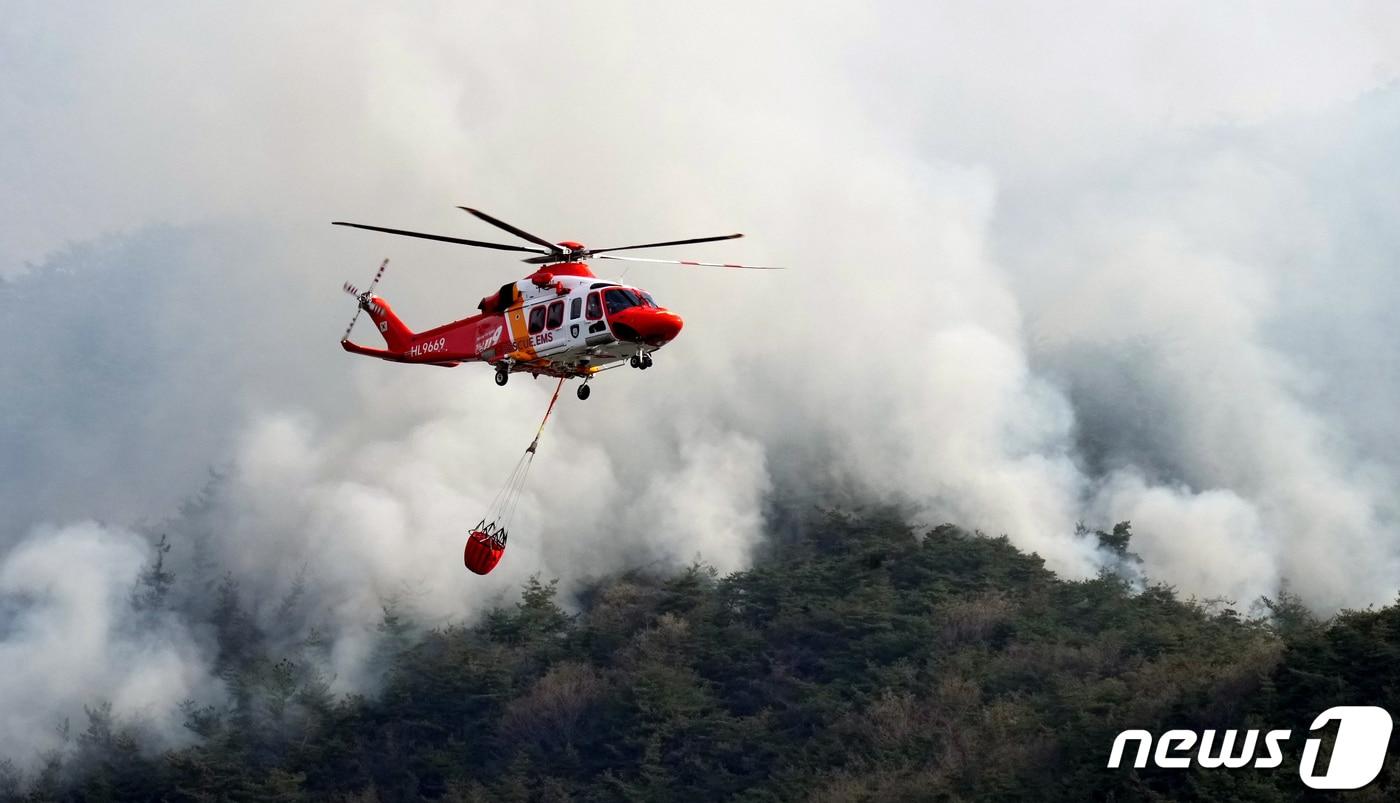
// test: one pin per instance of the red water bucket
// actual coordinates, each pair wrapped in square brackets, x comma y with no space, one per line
[483,552]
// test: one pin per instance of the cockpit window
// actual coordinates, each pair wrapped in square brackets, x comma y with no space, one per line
[619,299]
[647,299]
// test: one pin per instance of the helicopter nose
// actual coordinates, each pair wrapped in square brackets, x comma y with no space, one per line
[666,325]
[648,325]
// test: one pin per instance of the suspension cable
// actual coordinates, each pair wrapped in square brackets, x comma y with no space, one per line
[507,499]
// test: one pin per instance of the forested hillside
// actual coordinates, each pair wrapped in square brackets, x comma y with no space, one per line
[859,659]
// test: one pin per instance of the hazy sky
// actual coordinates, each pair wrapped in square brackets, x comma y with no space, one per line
[1049,265]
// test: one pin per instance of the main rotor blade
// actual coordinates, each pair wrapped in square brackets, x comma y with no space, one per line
[668,242]
[521,233]
[688,262]
[441,238]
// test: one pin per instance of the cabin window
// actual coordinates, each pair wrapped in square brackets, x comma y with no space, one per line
[620,299]
[575,309]
[595,307]
[556,315]
[537,320]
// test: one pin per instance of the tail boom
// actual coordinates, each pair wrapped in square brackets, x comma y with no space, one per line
[480,337]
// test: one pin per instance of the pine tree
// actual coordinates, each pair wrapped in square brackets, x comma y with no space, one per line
[155,581]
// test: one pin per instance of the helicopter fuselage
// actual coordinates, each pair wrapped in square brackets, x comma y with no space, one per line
[559,321]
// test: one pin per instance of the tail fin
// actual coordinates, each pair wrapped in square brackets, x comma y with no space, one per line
[396,332]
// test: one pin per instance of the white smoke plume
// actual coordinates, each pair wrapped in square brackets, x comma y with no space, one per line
[1048,266]
[69,631]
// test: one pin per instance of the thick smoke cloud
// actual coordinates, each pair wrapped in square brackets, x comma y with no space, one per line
[69,631]
[1046,269]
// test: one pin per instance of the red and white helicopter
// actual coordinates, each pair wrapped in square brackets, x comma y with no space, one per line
[560,321]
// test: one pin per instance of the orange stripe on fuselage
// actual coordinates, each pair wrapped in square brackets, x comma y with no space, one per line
[520,333]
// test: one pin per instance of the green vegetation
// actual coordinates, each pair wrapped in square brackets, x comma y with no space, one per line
[858,660]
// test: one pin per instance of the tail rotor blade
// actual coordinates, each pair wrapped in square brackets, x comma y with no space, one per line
[353,319]
[379,274]
[692,263]
[363,298]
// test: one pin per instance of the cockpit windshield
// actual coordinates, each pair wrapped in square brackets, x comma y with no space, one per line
[620,298]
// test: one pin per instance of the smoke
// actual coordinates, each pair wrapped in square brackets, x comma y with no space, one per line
[69,630]
[1224,354]
[1046,269]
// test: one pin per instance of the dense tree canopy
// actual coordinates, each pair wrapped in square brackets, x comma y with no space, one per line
[857,660]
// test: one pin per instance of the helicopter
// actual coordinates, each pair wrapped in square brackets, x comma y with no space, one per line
[560,321]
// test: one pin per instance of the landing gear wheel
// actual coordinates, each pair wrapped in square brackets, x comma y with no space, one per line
[502,375]
[583,392]
[635,362]
[646,361]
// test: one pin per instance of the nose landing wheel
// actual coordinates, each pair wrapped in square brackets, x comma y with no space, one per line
[640,360]
[502,374]
[583,392]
